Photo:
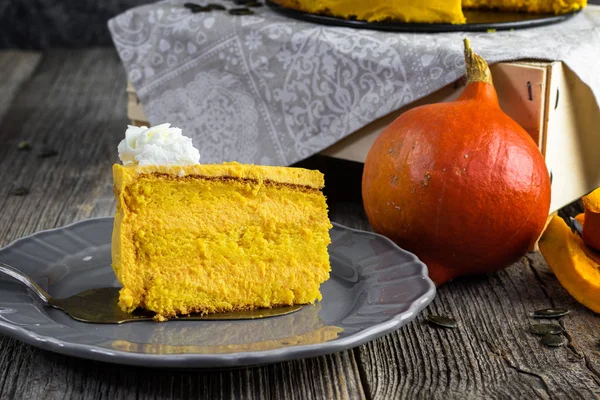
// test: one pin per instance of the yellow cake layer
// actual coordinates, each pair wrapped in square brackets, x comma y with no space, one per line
[425,11]
[379,10]
[213,238]
[531,6]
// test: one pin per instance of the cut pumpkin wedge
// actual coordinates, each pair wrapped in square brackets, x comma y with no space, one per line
[576,266]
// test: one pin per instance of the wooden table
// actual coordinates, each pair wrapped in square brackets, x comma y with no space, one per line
[74,101]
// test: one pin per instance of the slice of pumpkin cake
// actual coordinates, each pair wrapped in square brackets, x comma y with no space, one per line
[212,238]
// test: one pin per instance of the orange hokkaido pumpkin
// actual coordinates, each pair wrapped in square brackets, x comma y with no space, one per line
[460,184]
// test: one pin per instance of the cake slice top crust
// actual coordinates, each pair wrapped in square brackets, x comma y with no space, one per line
[301,177]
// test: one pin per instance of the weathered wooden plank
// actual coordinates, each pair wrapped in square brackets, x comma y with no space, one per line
[582,325]
[64,108]
[37,374]
[75,103]
[16,67]
[491,354]
[32,24]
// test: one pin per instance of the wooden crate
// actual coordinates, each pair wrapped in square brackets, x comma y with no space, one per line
[546,98]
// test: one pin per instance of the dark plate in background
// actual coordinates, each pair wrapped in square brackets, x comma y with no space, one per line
[477,21]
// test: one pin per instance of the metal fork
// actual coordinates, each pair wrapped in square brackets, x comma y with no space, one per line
[101,305]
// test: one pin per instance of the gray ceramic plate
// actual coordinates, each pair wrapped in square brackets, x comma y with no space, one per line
[375,288]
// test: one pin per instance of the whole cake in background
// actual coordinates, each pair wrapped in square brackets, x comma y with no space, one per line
[193,238]
[425,11]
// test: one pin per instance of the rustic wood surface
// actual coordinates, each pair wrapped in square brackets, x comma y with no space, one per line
[74,102]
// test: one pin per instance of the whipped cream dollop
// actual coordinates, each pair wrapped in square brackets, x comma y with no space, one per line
[157,145]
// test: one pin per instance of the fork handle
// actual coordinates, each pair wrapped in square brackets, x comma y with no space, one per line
[25,280]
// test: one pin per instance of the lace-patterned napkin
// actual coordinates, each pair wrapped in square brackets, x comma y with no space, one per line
[266,89]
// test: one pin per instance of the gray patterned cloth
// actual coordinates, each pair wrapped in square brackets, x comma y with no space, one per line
[266,89]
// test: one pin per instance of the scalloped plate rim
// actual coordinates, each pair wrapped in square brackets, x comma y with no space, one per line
[194,360]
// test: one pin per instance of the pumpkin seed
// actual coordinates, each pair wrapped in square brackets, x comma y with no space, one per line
[241,11]
[201,9]
[191,5]
[47,152]
[24,146]
[545,329]
[197,8]
[20,191]
[550,313]
[439,320]
[554,340]
[216,6]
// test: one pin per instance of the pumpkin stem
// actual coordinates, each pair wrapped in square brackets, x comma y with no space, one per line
[477,69]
